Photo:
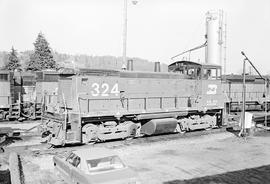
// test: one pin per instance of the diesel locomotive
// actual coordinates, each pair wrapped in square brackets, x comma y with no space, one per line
[99,105]
[257,92]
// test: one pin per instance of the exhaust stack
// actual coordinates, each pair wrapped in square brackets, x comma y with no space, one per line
[157,67]
[130,65]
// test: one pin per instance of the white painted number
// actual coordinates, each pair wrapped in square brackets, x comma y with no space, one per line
[115,90]
[104,89]
[105,86]
[95,91]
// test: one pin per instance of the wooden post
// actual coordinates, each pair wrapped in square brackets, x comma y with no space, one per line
[265,103]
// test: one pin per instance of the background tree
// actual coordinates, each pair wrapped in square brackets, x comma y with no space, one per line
[13,61]
[42,58]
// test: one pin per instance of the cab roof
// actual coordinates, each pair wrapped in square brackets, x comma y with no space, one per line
[185,62]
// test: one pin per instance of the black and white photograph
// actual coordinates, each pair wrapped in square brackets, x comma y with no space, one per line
[134,92]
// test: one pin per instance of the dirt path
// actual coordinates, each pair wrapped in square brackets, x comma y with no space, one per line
[186,159]
[164,161]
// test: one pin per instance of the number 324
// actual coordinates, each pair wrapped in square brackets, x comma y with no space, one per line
[104,89]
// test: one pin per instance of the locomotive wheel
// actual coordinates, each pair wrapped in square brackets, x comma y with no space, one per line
[132,135]
[90,133]
[179,128]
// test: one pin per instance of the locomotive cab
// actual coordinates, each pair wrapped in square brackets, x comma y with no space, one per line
[212,86]
[206,81]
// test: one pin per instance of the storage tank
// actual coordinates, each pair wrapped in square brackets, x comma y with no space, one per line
[212,35]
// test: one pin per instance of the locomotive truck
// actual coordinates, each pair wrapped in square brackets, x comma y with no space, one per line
[99,105]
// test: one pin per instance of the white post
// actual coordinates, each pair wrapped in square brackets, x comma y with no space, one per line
[243,129]
[125,34]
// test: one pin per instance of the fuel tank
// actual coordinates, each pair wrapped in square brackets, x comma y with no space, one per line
[159,126]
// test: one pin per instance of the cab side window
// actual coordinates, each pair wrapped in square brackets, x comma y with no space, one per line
[211,73]
[191,72]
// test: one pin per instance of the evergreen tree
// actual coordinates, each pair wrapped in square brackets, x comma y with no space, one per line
[13,61]
[42,58]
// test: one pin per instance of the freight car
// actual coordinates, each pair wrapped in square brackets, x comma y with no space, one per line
[99,105]
[5,93]
[257,92]
[23,93]
[46,85]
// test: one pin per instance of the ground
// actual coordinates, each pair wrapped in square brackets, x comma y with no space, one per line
[177,160]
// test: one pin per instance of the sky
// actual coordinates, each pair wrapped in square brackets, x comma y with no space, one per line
[157,29]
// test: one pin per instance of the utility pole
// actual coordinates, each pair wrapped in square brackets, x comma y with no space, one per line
[124,61]
[243,131]
[225,45]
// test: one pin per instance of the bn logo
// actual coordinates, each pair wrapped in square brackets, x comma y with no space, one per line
[212,89]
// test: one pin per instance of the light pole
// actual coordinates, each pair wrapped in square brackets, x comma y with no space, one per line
[243,126]
[125,32]
[125,35]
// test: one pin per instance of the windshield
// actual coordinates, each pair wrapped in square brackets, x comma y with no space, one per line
[104,164]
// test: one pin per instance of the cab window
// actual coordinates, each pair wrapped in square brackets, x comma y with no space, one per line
[211,73]
[191,71]
[194,72]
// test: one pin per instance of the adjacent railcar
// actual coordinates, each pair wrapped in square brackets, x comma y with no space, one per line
[24,86]
[5,93]
[22,93]
[46,85]
[257,92]
[100,105]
